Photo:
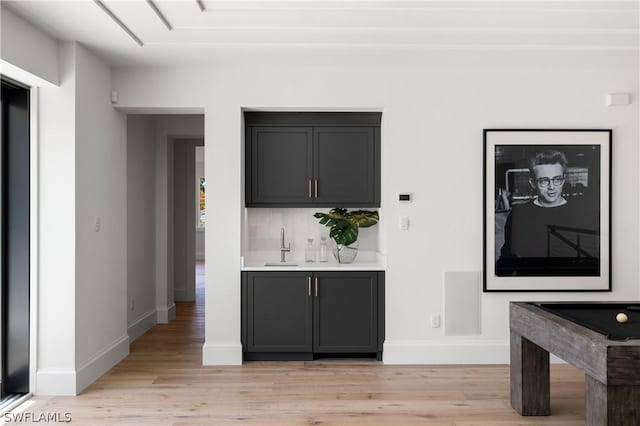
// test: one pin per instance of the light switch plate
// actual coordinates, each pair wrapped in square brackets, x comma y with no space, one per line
[404,223]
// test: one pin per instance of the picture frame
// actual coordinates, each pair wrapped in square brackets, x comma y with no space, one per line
[547,210]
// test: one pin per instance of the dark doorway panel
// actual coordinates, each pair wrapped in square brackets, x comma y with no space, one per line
[14,250]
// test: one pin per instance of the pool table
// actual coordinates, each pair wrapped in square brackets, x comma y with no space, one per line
[586,335]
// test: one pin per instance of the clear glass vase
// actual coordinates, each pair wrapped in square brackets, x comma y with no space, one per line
[310,251]
[346,254]
[323,251]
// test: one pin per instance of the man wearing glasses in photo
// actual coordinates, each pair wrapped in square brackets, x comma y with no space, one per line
[547,177]
[543,231]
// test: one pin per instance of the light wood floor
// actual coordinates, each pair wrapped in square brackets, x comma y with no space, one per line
[162,382]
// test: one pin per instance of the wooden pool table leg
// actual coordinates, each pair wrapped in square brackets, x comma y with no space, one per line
[529,377]
[612,405]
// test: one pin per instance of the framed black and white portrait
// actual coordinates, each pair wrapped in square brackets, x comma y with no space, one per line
[547,210]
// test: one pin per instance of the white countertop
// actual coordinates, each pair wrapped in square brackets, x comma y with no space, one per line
[365,261]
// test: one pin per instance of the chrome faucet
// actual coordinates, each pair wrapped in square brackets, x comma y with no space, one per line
[283,249]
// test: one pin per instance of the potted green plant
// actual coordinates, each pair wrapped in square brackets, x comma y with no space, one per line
[344,228]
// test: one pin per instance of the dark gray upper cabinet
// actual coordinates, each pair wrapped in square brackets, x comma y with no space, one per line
[282,165]
[344,164]
[345,310]
[278,312]
[319,159]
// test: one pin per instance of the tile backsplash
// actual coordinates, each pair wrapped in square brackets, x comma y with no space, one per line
[262,229]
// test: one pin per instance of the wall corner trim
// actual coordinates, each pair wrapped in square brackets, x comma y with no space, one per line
[141,325]
[222,353]
[55,382]
[165,314]
[100,363]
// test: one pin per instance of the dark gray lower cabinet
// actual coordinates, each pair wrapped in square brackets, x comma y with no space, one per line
[296,315]
[279,312]
[345,311]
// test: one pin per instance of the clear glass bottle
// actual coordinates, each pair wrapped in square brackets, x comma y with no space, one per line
[323,250]
[310,251]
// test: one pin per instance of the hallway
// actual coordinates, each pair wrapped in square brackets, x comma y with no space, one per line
[163,382]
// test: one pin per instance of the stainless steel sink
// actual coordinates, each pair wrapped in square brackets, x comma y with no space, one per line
[280,264]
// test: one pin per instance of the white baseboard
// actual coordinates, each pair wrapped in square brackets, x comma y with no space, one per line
[420,352]
[465,353]
[141,325]
[55,382]
[100,363]
[223,353]
[165,314]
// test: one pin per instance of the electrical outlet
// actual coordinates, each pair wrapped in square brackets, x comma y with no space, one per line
[435,321]
[97,224]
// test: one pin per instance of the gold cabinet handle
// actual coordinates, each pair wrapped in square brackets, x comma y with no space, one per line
[309,286]
[316,185]
[316,286]
[309,188]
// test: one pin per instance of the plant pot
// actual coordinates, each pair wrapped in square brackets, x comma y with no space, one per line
[346,254]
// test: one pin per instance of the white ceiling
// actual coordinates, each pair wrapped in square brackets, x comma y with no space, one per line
[299,26]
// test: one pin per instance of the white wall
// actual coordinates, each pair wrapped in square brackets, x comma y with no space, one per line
[82,327]
[435,105]
[56,365]
[28,54]
[141,181]
[101,194]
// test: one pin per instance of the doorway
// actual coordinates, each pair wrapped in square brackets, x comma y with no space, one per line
[14,236]
[188,216]
[201,221]
[162,210]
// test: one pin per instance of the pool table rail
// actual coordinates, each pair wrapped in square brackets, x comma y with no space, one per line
[612,367]
[609,361]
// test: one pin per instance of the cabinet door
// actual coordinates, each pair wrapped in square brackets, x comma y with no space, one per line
[345,306]
[279,308]
[280,167]
[346,166]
